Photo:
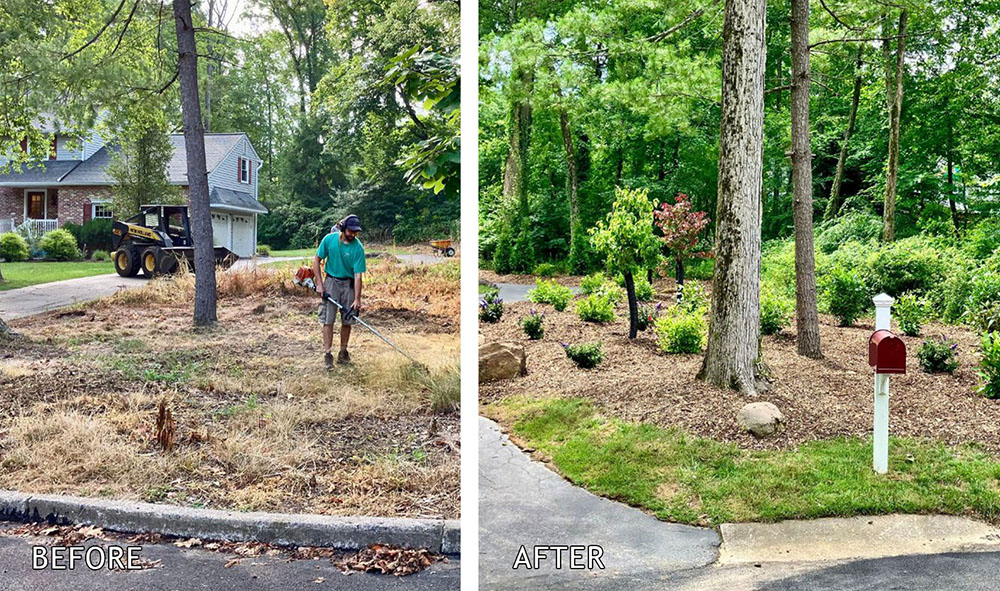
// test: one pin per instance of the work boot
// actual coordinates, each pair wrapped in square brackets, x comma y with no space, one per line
[344,357]
[328,360]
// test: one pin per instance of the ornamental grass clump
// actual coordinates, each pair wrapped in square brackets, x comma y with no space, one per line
[491,307]
[584,355]
[550,292]
[532,325]
[938,356]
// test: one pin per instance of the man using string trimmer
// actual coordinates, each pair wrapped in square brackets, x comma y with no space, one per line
[344,257]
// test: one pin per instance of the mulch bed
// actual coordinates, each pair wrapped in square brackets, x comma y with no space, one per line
[820,399]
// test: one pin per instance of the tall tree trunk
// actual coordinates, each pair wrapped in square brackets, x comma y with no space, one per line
[806,316]
[194,147]
[574,206]
[514,185]
[633,305]
[833,206]
[951,175]
[894,93]
[734,329]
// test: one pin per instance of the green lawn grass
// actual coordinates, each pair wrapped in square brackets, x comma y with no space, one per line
[301,252]
[682,478]
[34,273]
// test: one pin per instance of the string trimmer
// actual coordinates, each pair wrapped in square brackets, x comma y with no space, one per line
[306,278]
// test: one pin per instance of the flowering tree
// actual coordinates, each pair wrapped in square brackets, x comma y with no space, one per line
[681,228]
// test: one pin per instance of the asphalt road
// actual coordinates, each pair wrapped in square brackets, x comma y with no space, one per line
[196,570]
[518,292]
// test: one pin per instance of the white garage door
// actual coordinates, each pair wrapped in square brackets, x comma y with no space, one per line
[243,235]
[220,230]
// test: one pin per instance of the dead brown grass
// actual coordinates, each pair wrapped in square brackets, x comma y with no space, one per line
[259,424]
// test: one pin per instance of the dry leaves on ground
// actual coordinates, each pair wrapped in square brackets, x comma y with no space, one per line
[387,560]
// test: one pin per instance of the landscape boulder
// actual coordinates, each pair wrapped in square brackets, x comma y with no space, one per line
[761,418]
[501,361]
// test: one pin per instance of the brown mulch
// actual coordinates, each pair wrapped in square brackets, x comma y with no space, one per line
[820,399]
[567,280]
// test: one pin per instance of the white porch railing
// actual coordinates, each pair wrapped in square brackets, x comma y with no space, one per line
[39,227]
[7,225]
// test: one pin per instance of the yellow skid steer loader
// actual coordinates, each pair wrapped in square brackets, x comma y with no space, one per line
[156,241]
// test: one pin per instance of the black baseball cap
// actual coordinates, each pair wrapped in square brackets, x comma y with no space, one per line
[352,223]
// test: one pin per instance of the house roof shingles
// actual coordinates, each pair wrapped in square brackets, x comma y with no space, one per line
[45,172]
[93,171]
[223,198]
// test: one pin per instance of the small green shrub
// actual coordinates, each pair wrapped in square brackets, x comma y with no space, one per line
[547,270]
[680,332]
[592,282]
[700,269]
[584,355]
[550,292]
[938,356]
[59,245]
[853,226]
[914,264]
[93,235]
[982,240]
[775,312]
[596,308]
[643,289]
[532,325]
[983,296]
[263,250]
[693,299]
[611,292]
[910,312]
[491,307]
[99,256]
[648,315]
[846,294]
[13,248]
[989,366]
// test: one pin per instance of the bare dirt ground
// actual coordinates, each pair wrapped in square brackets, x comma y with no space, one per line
[820,399]
[259,423]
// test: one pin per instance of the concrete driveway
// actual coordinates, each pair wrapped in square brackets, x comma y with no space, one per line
[523,503]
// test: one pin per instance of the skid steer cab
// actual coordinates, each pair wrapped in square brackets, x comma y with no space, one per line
[157,241]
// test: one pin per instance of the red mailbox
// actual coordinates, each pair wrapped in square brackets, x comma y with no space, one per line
[886,352]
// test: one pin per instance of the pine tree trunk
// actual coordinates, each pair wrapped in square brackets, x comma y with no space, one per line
[194,147]
[833,206]
[894,94]
[806,316]
[679,277]
[734,329]
[633,305]
[951,178]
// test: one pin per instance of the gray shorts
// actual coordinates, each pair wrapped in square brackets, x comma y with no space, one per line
[341,290]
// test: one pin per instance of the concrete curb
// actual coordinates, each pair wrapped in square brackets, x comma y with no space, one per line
[853,538]
[345,533]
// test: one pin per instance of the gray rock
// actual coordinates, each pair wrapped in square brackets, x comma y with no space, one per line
[501,361]
[761,418]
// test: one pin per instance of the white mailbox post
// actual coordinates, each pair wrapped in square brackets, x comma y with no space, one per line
[880,447]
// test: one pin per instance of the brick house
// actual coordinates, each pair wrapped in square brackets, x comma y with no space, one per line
[73,185]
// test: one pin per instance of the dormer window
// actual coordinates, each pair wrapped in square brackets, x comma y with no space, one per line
[243,171]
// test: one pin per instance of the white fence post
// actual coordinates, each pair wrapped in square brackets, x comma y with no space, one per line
[880,437]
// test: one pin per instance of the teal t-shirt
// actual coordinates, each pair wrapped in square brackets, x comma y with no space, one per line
[343,259]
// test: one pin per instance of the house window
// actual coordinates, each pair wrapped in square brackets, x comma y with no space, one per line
[244,171]
[102,210]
